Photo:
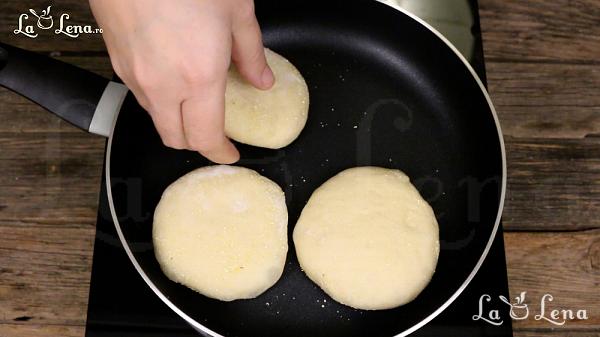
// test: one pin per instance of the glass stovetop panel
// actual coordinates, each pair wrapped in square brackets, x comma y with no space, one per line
[452,18]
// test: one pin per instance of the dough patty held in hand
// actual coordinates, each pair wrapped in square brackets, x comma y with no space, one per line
[368,239]
[222,231]
[267,118]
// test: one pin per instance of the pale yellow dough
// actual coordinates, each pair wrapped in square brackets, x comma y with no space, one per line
[222,231]
[368,238]
[267,118]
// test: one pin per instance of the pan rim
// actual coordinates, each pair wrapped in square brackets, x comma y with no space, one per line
[203,329]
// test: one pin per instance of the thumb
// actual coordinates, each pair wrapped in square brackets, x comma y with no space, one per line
[248,52]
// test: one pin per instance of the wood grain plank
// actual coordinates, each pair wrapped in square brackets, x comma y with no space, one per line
[566,265]
[58,185]
[20,115]
[40,330]
[48,205]
[558,31]
[47,40]
[553,184]
[45,273]
[50,178]
[546,100]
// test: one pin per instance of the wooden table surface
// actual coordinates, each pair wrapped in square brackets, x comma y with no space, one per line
[543,68]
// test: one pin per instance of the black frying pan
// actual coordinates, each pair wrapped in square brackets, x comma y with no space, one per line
[385,90]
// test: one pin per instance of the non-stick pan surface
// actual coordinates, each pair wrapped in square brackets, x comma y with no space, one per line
[385,91]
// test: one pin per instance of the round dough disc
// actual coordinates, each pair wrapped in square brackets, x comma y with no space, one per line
[368,239]
[222,231]
[267,118]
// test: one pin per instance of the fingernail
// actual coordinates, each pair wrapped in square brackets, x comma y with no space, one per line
[267,78]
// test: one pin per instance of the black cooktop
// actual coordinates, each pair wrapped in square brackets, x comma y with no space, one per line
[122,305]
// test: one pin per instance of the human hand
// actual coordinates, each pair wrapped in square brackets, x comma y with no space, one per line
[174,56]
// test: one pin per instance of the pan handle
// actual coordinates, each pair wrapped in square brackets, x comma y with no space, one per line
[82,98]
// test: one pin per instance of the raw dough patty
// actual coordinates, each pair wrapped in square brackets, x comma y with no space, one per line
[222,231]
[267,118]
[368,239]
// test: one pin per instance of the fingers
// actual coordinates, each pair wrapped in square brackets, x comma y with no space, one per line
[163,105]
[169,124]
[248,51]
[193,123]
[203,124]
